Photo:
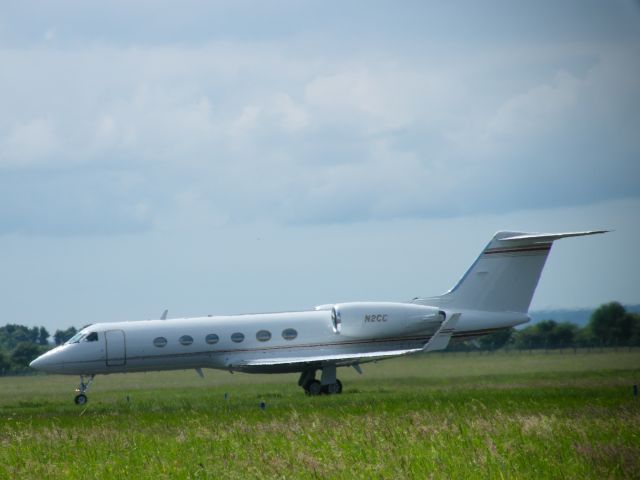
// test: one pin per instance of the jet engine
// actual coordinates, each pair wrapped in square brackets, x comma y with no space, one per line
[383,319]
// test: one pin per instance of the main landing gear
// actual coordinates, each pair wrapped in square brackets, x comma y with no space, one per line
[328,383]
[81,398]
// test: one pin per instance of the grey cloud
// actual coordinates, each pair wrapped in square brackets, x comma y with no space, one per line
[233,131]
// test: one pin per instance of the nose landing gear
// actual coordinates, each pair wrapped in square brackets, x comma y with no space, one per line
[81,398]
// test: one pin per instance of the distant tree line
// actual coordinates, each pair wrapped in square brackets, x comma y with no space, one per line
[19,345]
[610,325]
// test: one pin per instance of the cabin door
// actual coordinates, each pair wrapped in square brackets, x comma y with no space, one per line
[116,350]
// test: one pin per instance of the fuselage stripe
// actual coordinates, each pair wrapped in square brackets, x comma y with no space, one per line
[544,248]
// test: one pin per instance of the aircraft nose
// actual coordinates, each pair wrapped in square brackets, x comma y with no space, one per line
[43,362]
[38,362]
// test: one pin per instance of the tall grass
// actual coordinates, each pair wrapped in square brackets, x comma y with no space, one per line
[440,416]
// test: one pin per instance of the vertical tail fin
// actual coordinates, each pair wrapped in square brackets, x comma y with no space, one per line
[505,275]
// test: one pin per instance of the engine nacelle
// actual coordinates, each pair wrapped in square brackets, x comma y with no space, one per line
[384,319]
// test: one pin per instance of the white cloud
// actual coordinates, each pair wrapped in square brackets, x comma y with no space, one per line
[371,99]
[245,122]
[265,132]
[293,116]
[308,152]
[28,143]
[541,107]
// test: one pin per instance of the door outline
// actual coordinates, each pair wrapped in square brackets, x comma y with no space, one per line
[116,348]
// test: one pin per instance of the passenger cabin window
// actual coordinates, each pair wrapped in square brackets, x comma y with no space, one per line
[186,340]
[212,338]
[263,336]
[160,341]
[92,337]
[289,334]
[237,337]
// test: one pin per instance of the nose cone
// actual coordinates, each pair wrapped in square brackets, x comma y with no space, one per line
[40,363]
[35,363]
[45,362]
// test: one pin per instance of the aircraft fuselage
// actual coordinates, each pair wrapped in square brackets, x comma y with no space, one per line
[232,342]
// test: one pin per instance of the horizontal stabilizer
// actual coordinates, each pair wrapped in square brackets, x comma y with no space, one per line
[549,237]
[441,338]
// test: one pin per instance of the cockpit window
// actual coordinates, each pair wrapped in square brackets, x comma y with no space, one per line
[92,337]
[76,338]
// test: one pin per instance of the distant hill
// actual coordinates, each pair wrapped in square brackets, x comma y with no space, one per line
[579,316]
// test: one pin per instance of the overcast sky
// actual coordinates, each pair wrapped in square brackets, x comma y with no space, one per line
[221,157]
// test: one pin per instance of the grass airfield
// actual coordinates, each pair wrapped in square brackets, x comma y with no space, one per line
[517,415]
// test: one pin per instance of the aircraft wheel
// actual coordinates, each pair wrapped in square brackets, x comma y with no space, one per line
[314,388]
[339,386]
[333,388]
[80,399]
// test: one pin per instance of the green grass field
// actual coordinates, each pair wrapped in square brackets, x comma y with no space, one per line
[435,416]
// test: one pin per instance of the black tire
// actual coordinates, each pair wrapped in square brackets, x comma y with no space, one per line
[80,399]
[339,384]
[333,389]
[313,388]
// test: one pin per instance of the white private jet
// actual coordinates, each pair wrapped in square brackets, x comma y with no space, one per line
[493,294]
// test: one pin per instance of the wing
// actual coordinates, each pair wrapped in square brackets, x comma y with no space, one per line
[438,341]
[340,359]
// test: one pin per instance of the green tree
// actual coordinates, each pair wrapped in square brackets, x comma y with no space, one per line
[635,333]
[585,337]
[43,336]
[610,324]
[533,336]
[12,334]
[546,334]
[23,354]
[496,340]
[4,364]
[62,336]
[563,335]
